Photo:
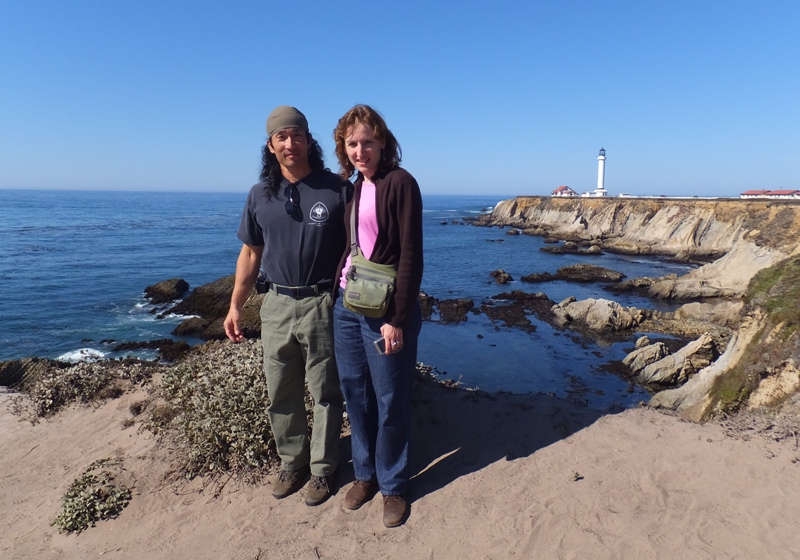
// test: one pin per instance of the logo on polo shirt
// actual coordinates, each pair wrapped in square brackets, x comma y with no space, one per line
[319,213]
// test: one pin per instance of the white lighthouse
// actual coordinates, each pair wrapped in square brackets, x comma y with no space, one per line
[601,174]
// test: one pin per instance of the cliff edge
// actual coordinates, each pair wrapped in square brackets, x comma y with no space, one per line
[738,237]
[755,259]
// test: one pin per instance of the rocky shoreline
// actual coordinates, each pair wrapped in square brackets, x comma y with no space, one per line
[735,238]
[709,334]
[750,353]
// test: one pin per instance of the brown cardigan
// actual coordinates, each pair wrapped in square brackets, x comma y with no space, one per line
[398,207]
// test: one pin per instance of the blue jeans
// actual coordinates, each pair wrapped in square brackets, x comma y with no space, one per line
[377,393]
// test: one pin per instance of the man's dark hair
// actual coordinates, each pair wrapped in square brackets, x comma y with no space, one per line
[271,169]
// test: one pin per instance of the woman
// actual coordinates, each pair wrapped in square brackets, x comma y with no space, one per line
[377,385]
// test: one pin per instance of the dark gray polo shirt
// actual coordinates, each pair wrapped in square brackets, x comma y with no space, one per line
[304,250]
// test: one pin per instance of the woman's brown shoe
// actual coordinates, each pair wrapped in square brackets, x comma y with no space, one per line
[359,494]
[394,511]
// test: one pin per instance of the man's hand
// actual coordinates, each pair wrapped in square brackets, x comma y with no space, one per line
[232,326]
[246,272]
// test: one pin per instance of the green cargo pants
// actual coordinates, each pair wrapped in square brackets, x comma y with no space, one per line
[297,336]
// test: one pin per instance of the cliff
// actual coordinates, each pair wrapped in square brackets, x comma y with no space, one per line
[761,366]
[740,237]
[756,257]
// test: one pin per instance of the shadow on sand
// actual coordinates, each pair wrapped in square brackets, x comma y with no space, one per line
[456,432]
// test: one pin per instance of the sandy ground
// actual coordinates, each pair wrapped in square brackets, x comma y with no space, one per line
[499,476]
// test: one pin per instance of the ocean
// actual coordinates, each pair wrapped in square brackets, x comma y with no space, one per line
[74,264]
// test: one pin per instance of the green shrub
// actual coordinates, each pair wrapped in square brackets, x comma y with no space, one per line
[215,406]
[55,388]
[733,388]
[94,496]
[777,290]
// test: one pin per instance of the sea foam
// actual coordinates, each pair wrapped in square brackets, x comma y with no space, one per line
[82,355]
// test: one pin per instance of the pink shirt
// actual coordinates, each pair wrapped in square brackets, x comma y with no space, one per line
[367,226]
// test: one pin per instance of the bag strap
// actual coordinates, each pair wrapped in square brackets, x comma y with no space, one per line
[353,230]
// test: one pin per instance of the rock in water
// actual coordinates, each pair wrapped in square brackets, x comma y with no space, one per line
[166,291]
[645,355]
[597,314]
[677,368]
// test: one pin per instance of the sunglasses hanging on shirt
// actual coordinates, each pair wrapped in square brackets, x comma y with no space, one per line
[292,206]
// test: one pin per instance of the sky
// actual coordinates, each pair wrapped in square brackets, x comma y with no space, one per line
[688,97]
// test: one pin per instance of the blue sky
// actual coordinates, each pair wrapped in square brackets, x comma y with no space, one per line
[687,97]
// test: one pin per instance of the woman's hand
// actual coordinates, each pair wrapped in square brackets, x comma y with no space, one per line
[393,337]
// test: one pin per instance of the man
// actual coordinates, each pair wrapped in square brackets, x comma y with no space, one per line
[292,228]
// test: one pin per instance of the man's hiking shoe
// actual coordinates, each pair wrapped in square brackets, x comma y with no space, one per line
[319,490]
[290,482]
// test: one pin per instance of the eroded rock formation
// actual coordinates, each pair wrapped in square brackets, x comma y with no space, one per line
[677,368]
[597,314]
[759,367]
[751,252]
[740,236]
[644,355]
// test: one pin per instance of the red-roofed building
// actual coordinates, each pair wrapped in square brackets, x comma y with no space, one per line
[783,193]
[564,191]
[753,194]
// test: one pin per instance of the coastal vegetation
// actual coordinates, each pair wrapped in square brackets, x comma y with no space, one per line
[772,354]
[212,406]
[96,495]
[777,291]
[50,386]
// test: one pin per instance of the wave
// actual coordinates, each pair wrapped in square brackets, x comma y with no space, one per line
[82,355]
[146,312]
